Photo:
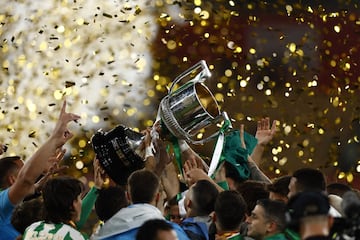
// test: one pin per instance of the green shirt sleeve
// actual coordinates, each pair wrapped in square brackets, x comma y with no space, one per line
[87,205]
[224,185]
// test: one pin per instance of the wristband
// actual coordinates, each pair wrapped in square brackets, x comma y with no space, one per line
[148,152]
[183,145]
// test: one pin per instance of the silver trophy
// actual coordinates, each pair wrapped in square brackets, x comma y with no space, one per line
[183,113]
[191,107]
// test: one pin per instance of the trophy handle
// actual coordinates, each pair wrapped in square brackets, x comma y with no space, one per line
[223,117]
[200,77]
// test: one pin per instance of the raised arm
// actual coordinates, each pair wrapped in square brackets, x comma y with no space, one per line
[255,171]
[264,134]
[40,161]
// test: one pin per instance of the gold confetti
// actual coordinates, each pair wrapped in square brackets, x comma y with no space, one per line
[69,84]
[32,134]
[304,73]
[107,15]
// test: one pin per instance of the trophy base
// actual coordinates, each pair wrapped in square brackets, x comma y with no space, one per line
[117,152]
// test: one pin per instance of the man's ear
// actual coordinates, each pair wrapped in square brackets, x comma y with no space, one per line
[128,197]
[157,198]
[271,227]
[189,204]
[330,221]
[213,216]
[11,179]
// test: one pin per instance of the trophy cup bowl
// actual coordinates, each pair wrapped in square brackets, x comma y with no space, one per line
[190,108]
[119,152]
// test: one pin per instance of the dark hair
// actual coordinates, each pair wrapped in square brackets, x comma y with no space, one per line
[309,179]
[338,189]
[204,195]
[306,204]
[280,185]
[27,213]
[173,201]
[252,191]
[230,210]
[231,172]
[143,184]
[59,193]
[150,229]
[109,201]
[7,165]
[274,210]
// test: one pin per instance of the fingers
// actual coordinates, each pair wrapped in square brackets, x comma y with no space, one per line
[194,163]
[3,148]
[68,135]
[61,134]
[60,169]
[67,117]
[242,136]
[259,124]
[266,123]
[190,164]
[97,166]
[96,162]
[273,127]
[263,124]
[186,167]
[60,153]
[63,108]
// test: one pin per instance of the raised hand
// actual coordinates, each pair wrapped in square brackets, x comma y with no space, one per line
[98,174]
[61,133]
[47,156]
[192,173]
[54,169]
[264,134]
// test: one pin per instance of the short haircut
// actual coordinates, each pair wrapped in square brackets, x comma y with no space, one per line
[309,179]
[304,205]
[252,191]
[204,195]
[230,208]
[27,213]
[174,201]
[7,166]
[280,185]
[338,189]
[275,211]
[231,172]
[149,230]
[59,193]
[109,201]
[143,184]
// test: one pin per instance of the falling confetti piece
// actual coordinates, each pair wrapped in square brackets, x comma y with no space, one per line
[107,15]
[32,134]
[69,84]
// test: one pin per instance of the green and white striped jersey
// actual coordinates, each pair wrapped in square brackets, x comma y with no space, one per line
[49,231]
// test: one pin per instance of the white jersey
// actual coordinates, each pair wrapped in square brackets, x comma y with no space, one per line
[49,231]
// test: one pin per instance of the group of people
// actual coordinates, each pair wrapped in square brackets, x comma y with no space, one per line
[165,202]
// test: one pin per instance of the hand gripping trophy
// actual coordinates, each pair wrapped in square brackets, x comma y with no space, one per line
[182,114]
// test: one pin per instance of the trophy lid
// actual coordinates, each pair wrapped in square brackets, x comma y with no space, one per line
[117,151]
